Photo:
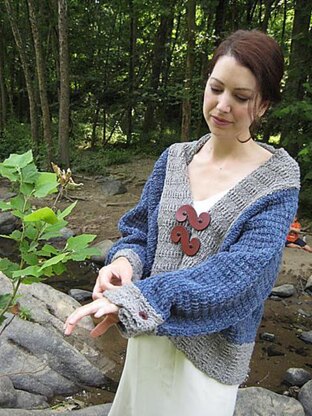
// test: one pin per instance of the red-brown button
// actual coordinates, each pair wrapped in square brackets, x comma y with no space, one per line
[143,315]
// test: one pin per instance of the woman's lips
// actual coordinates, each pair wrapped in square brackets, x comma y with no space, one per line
[220,121]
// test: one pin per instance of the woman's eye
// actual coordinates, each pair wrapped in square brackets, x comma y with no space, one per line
[215,90]
[242,99]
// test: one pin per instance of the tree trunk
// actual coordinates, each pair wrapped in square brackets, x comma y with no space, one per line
[3,90]
[41,72]
[157,64]
[299,65]
[219,21]
[64,84]
[27,73]
[190,57]
[132,48]
[267,14]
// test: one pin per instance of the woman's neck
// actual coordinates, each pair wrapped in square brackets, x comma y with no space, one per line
[222,148]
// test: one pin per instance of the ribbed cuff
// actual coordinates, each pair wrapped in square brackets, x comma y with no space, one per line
[136,314]
[134,260]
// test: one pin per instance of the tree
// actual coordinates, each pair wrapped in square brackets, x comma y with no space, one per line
[26,65]
[3,90]
[190,56]
[158,61]
[299,71]
[132,55]
[41,72]
[64,84]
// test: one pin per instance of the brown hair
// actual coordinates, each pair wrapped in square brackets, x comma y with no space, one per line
[259,53]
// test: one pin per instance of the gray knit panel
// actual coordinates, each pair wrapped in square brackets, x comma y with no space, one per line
[214,354]
[270,177]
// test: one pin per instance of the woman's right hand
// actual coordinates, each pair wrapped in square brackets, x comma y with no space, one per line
[118,273]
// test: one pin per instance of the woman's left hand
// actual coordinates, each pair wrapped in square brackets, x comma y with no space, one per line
[98,308]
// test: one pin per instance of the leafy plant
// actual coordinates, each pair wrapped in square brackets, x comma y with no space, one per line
[38,258]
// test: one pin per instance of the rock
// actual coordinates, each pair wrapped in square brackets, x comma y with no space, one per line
[297,377]
[99,410]
[8,395]
[273,351]
[266,336]
[27,400]
[259,401]
[80,295]
[8,195]
[8,223]
[103,247]
[112,186]
[305,398]
[308,286]
[283,291]
[39,358]
[304,313]
[306,337]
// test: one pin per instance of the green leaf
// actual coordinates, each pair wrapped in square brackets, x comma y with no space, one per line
[5,206]
[42,214]
[84,254]
[53,260]
[15,235]
[53,231]
[79,242]
[46,184]
[30,232]
[2,319]
[4,300]
[18,202]
[28,280]
[26,189]
[67,211]
[29,173]
[7,267]
[9,173]
[59,268]
[30,258]
[47,250]
[19,161]
[28,271]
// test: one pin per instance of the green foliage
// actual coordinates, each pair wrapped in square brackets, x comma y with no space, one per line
[295,119]
[15,137]
[38,258]
[97,161]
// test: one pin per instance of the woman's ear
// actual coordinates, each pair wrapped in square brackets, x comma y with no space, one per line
[263,108]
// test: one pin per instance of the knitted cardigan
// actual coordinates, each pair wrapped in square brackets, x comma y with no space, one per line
[210,305]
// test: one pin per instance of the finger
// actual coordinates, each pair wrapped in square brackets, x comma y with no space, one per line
[78,314]
[104,325]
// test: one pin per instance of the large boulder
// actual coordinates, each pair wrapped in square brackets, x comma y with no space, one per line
[305,397]
[262,402]
[99,410]
[35,355]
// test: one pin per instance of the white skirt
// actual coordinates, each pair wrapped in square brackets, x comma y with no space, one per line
[158,380]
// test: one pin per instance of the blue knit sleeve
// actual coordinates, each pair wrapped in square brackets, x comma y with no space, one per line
[225,288]
[134,225]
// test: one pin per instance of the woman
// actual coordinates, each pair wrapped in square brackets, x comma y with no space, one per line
[188,279]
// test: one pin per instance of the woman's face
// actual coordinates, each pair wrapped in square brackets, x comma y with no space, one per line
[231,99]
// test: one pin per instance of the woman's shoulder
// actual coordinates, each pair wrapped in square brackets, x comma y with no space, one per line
[282,166]
[188,149]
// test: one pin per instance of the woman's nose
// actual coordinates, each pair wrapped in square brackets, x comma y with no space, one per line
[223,104]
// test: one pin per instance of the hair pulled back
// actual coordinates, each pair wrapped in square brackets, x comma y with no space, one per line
[259,53]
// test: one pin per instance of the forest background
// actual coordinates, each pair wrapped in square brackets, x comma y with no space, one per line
[89,83]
